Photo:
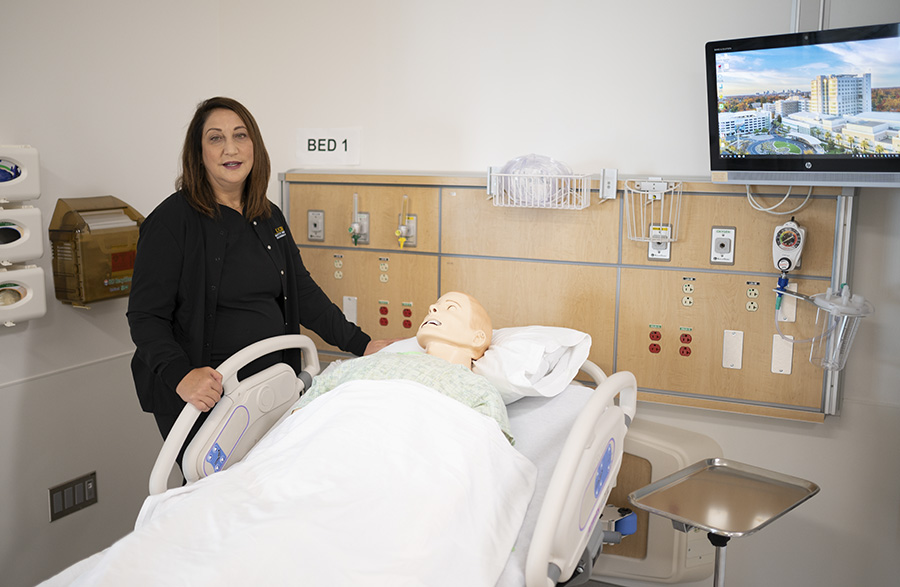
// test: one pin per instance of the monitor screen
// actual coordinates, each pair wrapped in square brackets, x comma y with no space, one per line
[815,108]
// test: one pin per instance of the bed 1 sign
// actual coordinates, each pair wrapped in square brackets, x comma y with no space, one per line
[328,146]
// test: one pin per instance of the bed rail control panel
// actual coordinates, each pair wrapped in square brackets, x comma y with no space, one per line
[227,434]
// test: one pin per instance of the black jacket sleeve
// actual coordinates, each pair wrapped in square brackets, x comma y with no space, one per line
[151,309]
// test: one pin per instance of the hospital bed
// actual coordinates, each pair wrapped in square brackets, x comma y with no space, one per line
[574,439]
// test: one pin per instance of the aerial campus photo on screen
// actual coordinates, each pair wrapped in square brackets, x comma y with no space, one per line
[838,99]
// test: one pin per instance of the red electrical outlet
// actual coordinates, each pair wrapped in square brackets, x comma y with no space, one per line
[685,351]
[655,335]
[654,348]
[686,338]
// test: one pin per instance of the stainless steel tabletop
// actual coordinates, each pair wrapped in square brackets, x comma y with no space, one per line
[724,497]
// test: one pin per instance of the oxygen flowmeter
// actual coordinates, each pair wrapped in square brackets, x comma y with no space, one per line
[787,246]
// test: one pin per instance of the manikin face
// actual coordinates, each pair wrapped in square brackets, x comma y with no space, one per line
[227,151]
[453,320]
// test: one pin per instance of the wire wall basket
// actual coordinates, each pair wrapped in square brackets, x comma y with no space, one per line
[558,192]
[652,208]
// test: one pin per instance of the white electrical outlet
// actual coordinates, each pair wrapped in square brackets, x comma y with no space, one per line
[722,247]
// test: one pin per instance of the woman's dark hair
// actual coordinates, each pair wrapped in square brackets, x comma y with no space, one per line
[194,182]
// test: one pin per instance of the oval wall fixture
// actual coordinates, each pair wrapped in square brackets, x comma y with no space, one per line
[21,295]
[20,173]
[9,170]
[9,233]
[21,236]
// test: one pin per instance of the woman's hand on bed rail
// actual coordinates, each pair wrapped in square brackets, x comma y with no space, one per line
[376,345]
[201,387]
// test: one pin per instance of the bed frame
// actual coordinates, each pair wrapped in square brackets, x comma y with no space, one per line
[246,411]
[567,537]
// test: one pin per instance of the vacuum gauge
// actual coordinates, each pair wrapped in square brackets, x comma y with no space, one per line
[787,245]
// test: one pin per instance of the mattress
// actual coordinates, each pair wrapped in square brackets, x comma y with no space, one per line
[540,426]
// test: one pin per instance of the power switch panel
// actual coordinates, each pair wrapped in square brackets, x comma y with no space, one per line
[722,248]
[315,220]
[733,349]
[72,496]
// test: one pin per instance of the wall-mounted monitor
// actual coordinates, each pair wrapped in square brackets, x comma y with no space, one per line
[814,108]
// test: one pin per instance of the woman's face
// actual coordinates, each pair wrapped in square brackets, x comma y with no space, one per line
[227,151]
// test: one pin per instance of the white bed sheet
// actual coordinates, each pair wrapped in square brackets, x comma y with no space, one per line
[325,483]
[540,426]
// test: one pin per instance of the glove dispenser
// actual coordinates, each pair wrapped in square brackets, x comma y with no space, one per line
[22,295]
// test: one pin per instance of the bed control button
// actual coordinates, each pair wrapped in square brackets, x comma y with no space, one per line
[214,453]
[603,468]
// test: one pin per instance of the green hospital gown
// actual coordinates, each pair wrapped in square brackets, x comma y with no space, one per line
[452,380]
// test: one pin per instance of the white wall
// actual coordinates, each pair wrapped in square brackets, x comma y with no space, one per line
[105,89]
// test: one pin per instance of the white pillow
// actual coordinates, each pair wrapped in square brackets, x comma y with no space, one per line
[525,361]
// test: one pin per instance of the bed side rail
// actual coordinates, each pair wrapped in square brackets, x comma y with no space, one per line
[627,393]
[229,370]
[584,475]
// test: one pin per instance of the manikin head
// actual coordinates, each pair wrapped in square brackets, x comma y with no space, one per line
[457,329]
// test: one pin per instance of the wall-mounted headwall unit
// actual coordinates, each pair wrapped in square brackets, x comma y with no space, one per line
[697,326]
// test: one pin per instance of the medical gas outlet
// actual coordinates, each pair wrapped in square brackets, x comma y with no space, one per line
[359,224]
[315,225]
[722,248]
[406,225]
[659,247]
[359,229]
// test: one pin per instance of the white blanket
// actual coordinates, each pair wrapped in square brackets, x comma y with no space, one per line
[374,483]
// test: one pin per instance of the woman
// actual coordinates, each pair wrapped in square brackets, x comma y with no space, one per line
[217,269]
